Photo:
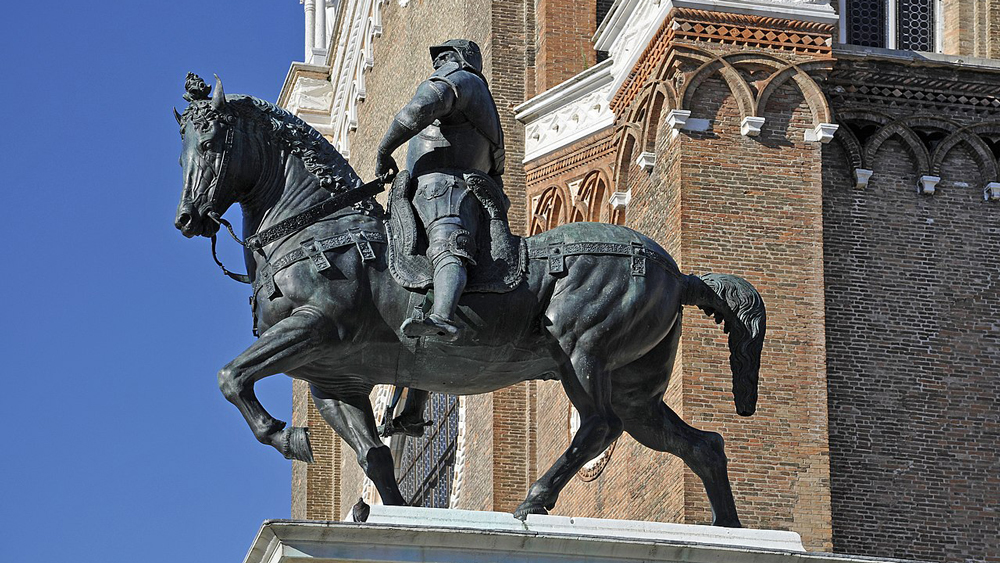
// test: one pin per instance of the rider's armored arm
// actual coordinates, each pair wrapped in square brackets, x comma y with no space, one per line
[434,99]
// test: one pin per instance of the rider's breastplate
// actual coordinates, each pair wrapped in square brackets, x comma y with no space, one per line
[442,146]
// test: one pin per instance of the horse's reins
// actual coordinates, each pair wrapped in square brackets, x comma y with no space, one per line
[293,224]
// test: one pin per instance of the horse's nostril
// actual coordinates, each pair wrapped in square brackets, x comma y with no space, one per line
[183,220]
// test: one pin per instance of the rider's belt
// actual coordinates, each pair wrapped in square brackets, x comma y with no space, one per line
[313,250]
[557,252]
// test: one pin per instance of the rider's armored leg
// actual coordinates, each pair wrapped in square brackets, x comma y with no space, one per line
[450,247]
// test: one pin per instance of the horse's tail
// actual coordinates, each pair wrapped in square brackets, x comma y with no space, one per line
[733,300]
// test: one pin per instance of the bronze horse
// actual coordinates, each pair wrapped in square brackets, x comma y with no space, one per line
[608,335]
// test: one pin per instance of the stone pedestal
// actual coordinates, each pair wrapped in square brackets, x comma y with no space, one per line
[404,534]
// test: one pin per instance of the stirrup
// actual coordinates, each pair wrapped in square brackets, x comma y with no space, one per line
[397,426]
[431,325]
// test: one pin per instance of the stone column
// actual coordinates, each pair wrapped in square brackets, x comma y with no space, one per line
[310,9]
[320,38]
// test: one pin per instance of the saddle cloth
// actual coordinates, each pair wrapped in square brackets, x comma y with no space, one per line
[501,257]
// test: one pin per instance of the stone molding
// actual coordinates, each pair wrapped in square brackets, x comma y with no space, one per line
[406,534]
[586,153]
[566,113]
[308,94]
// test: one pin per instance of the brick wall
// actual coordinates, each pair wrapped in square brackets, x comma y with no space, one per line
[753,207]
[912,336]
[971,27]
[563,30]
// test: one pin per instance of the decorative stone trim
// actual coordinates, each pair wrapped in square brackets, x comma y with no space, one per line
[460,451]
[307,94]
[927,184]
[646,160]
[567,112]
[823,133]
[361,23]
[676,120]
[620,200]
[992,191]
[750,127]
[577,158]
[753,31]
[861,177]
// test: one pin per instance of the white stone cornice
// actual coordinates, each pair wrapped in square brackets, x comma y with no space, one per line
[566,113]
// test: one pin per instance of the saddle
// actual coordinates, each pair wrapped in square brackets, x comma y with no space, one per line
[501,260]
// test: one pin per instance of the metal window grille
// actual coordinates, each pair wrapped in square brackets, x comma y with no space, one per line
[428,463]
[897,24]
[866,22]
[915,25]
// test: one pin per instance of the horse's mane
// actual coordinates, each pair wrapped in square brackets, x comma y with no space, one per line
[301,139]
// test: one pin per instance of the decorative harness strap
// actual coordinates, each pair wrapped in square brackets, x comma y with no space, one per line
[313,214]
[557,252]
[313,250]
[297,222]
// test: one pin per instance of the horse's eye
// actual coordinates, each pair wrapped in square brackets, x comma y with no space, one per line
[206,145]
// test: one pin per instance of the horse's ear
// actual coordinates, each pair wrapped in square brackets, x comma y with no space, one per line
[177,116]
[219,95]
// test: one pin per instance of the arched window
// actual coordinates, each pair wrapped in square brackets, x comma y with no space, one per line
[593,198]
[548,211]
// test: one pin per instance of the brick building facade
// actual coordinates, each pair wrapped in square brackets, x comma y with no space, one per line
[857,186]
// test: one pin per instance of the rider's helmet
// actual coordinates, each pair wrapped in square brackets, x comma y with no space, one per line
[468,53]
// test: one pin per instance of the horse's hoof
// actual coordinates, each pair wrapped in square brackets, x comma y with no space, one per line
[400,426]
[298,446]
[728,523]
[525,509]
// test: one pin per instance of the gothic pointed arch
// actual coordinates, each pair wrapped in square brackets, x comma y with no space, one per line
[813,94]
[909,138]
[737,85]
[591,201]
[980,151]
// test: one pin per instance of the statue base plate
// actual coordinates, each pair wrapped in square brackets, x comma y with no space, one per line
[406,534]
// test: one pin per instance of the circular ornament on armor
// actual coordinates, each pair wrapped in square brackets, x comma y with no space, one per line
[593,468]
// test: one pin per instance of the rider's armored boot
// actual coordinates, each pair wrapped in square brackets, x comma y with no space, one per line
[449,282]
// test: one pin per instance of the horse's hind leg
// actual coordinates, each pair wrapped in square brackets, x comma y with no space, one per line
[587,384]
[654,425]
[660,428]
[353,420]
[289,344]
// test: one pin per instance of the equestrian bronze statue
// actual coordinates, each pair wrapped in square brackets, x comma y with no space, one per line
[335,278]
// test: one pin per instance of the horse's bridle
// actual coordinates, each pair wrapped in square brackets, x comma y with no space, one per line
[287,227]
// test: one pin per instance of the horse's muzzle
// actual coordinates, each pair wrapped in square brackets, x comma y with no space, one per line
[192,222]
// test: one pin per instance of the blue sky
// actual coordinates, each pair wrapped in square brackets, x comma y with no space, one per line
[117,443]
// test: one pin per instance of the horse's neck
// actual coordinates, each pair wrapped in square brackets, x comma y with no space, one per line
[289,190]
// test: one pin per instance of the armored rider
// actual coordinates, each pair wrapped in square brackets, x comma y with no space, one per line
[453,128]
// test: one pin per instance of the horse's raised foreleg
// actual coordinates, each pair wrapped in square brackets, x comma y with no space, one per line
[352,418]
[289,344]
[588,386]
